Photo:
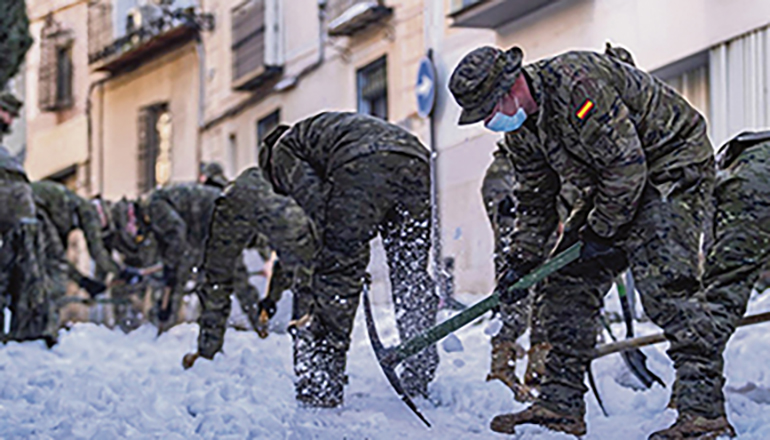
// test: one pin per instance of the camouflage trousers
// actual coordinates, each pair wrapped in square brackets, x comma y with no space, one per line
[25,286]
[740,251]
[386,194]
[662,247]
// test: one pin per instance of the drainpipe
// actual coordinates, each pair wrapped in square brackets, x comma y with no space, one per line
[89,134]
[200,50]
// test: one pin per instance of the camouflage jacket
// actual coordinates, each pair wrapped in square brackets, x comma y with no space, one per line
[605,127]
[179,217]
[305,158]
[248,207]
[14,38]
[68,211]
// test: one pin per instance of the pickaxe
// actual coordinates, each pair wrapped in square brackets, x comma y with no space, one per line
[390,357]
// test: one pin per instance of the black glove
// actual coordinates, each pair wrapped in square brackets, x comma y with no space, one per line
[505,281]
[595,246]
[268,305]
[130,275]
[92,286]
[163,314]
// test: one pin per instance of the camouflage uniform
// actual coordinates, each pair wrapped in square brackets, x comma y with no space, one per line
[136,251]
[733,264]
[356,176]
[247,208]
[179,217]
[24,284]
[68,212]
[639,153]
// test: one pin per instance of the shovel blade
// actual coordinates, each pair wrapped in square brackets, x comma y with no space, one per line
[637,363]
[387,360]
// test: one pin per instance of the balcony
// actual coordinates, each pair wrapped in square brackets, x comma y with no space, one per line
[492,14]
[349,17]
[151,40]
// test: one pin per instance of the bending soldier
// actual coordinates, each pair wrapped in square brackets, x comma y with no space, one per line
[638,152]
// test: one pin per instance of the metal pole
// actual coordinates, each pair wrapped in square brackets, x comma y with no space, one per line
[435,215]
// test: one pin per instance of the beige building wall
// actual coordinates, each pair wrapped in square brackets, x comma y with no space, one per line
[171,78]
[57,140]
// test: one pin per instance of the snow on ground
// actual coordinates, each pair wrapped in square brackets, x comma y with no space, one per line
[101,384]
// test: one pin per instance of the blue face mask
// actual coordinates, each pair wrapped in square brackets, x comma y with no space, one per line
[504,123]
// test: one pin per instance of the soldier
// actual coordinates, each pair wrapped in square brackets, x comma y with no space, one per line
[497,191]
[356,176]
[213,174]
[639,154]
[68,212]
[14,38]
[741,250]
[24,285]
[179,218]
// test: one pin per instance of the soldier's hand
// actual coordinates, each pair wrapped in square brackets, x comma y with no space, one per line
[504,283]
[130,275]
[594,245]
[92,286]
[189,360]
[268,306]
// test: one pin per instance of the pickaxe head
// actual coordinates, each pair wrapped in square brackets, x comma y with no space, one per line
[387,358]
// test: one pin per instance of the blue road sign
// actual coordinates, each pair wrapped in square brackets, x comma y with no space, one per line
[425,89]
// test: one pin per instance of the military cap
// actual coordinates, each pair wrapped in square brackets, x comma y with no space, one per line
[483,77]
[619,53]
[214,173]
[9,103]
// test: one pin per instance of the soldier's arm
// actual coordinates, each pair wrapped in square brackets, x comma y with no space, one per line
[535,192]
[92,230]
[610,138]
[300,179]
[497,194]
[170,229]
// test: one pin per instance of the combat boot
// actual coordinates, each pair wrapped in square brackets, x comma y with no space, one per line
[536,363]
[539,415]
[503,368]
[688,426]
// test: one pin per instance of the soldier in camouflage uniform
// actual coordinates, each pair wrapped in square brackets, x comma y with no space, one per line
[356,176]
[497,191]
[24,282]
[249,208]
[68,212]
[179,217]
[14,38]
[734,262]
[638,152]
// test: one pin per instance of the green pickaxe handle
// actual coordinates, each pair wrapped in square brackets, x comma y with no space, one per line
[434,334]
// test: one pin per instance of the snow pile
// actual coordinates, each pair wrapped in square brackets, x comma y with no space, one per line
[102,384]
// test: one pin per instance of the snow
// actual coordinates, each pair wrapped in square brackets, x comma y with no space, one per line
[101,384]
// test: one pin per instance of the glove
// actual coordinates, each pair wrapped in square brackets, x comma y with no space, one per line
[507,279]
[130,275]
[595,246]
[268,305]
[163,314]
[92,286]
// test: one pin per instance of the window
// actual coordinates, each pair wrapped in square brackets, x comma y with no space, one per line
[55,73]
[372,83]
[154,125]
[256,43]
[266,125]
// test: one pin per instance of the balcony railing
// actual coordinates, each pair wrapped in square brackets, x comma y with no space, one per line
[348,17]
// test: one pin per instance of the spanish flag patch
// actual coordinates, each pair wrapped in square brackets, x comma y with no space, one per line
[584,109]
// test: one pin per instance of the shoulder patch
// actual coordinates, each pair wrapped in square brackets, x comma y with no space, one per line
[584,109]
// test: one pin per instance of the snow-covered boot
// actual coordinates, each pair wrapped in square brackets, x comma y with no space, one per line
[539,415]
[503,367]
[320,371]
[693,427]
